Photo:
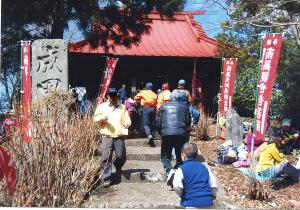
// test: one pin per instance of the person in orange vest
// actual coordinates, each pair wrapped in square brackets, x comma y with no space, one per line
[164,96]
[148,100]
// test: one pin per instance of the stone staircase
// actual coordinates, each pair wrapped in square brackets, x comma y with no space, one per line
[142,184]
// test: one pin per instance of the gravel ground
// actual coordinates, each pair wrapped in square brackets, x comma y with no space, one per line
[282,194]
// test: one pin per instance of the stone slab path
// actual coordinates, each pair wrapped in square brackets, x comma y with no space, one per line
[135,195]
[142,184]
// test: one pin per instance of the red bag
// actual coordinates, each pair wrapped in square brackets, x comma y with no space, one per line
[8,170]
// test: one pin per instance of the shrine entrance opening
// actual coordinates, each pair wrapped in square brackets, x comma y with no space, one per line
[85,70]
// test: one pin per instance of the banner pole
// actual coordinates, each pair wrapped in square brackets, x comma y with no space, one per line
[218,97]
[194,80]
[102,77]
[256,98]
[21,80]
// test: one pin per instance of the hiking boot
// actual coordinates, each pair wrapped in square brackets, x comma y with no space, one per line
[106,183]
[170,178]
[151,141]
[117,176]
[118,170]
[151,144]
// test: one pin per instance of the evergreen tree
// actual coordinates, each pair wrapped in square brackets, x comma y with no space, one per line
[242,32]
[123,21]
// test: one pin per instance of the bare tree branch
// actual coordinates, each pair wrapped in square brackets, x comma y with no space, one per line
[284,14]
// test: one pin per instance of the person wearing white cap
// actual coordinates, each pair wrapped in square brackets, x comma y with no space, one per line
[290,137]
[181,88]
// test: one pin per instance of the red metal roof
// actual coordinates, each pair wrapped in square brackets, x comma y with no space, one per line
[183,37]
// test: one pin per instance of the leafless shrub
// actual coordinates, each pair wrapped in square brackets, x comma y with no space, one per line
[257,190]
[57,168]
[202,129]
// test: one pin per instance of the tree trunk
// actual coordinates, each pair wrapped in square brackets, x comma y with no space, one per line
[296,28]
[56,28]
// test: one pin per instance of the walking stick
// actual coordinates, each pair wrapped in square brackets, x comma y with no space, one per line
[219,99]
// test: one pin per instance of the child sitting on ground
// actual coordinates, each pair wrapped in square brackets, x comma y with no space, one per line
[193,181]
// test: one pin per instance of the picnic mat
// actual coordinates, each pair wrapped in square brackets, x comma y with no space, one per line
[250,173]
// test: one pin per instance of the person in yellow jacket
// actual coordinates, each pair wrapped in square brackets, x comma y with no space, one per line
[272,163]
[164,96]
[114,122]
[148,100]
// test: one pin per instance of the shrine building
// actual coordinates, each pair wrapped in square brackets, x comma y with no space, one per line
[166,54]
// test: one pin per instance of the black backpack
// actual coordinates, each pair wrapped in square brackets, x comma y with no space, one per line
[223,157]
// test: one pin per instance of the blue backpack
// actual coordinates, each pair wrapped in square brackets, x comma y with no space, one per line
[179,95]
[195,115]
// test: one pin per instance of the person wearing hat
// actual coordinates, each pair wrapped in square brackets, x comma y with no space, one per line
[164,96]
[148,101]
[180,89]
[114,122]
[290,137]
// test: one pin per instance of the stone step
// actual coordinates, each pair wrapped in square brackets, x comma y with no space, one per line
[141,171]
[134,195]
[141,142]
[143,153]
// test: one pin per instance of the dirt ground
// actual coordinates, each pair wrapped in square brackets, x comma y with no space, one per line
[281,194]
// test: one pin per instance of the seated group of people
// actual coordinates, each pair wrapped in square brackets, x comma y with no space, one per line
[269,153]
[290,141]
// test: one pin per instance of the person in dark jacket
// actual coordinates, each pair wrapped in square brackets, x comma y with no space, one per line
[174,121]
[122,94]
[290,137]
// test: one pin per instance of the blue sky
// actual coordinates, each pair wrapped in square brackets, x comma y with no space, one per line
[213,17]
[209,21]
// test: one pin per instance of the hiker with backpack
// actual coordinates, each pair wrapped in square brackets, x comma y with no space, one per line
[183,96]
[180,91]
